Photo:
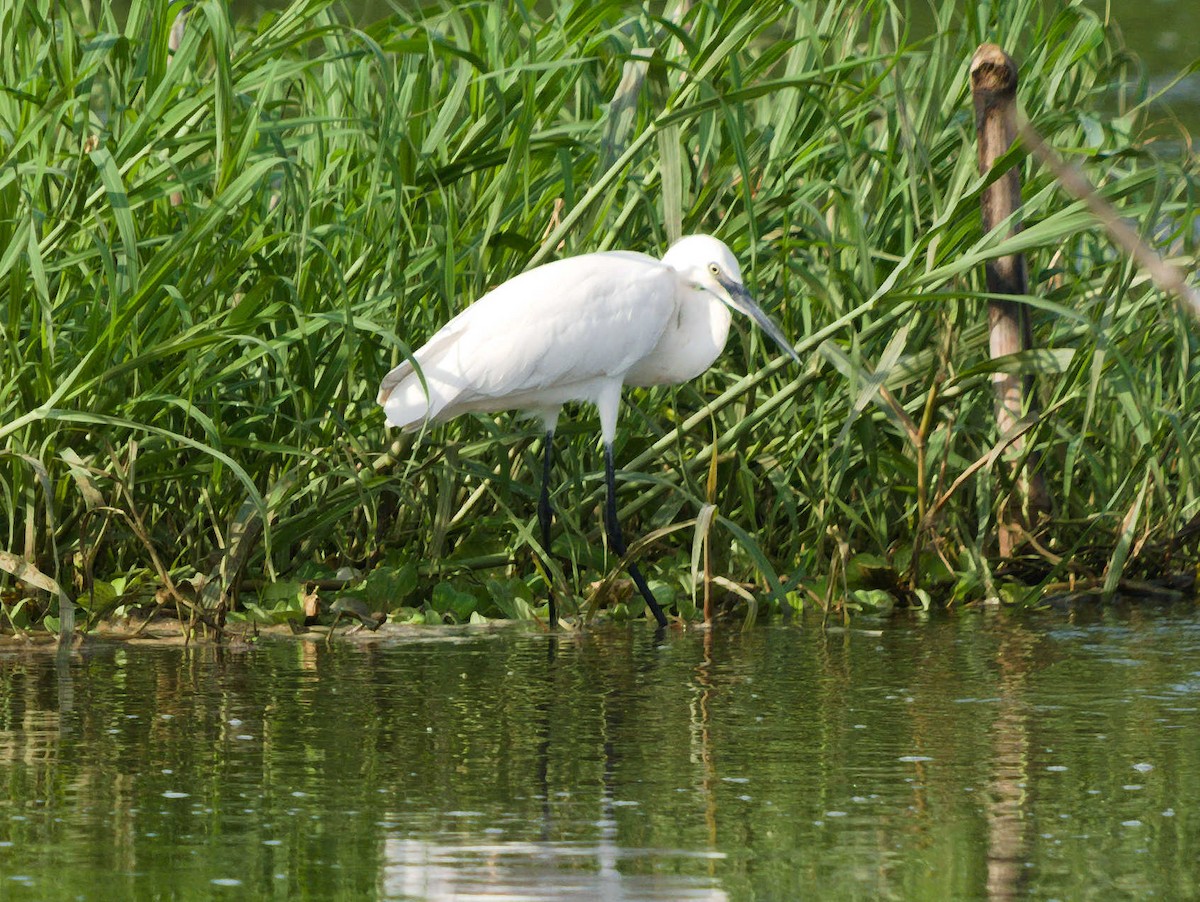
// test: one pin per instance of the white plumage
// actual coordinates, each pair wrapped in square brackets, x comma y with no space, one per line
[578,330]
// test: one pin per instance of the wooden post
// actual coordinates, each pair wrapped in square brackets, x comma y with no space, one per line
[994,89]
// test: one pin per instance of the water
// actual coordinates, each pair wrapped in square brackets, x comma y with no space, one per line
[967,756]
[1161,33]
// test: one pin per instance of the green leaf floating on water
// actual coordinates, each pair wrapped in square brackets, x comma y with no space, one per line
[387,588]
[512,597]
[280,593]
[449,600]
[874,601]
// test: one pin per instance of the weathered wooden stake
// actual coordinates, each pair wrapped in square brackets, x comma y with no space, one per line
[994,89]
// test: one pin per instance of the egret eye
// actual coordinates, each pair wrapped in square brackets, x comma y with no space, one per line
[714,269]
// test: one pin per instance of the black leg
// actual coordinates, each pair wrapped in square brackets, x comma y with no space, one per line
[546,517]
[618,543]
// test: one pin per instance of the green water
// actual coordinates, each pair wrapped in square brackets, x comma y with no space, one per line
[968,756]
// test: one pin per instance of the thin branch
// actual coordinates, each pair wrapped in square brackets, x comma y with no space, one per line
[1166,276]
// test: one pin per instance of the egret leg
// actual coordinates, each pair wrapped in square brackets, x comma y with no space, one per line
[546,515]
[613,525]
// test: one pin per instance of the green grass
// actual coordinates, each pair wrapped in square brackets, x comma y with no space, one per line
[189,388]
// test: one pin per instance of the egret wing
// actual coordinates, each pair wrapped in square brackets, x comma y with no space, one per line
[544,335]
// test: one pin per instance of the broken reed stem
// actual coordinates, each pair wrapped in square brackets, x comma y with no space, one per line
[1167,277]
[708,581]
[994,91]
[174,39]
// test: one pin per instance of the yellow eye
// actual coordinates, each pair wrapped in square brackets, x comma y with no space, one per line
[714,269]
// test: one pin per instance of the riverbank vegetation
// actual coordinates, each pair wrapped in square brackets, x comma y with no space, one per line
[209,257]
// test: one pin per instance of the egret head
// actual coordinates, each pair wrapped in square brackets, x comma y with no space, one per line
[709,266]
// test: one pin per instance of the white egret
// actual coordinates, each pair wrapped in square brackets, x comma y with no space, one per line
[578,330]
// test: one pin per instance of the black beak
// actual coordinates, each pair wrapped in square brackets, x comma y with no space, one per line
[739,299]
